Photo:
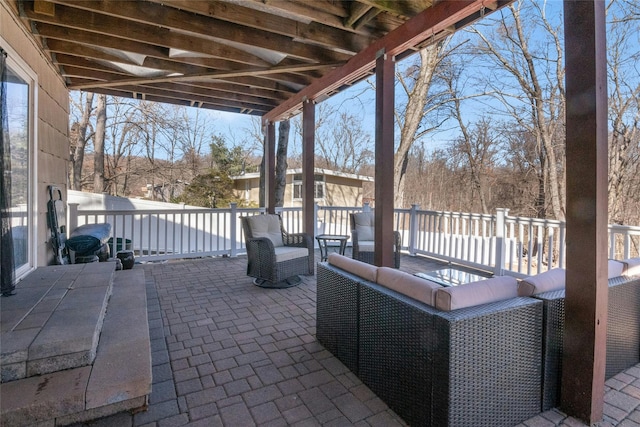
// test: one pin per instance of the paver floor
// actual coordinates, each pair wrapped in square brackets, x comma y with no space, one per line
[228,353]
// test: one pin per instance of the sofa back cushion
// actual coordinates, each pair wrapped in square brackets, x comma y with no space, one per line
[407,284]
[551,280]
[476,293]
[266,226]
[633,266]
[364,224]
[366,271]
[616,268]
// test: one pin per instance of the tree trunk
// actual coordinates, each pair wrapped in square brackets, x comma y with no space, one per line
[77,157]
[98,144]
[414,112]
[281,161]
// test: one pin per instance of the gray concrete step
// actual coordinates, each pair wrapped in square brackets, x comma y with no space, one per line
[118,379]
[54,320]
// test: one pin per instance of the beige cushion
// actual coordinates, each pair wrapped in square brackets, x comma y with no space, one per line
[476,293]
[633,266]
[366,271]
[616,268]
[551,280]
[365,246]
[266,226]
[415,287]
[364,222]
[286,253]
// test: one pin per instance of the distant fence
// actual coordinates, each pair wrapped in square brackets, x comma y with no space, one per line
[498,242]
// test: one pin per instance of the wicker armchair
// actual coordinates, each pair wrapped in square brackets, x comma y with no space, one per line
[275,258]
[362,232]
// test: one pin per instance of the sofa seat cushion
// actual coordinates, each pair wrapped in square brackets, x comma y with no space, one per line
[366,271]
[551,280]
[633,266]
[476,293]
[266,226]
[407,284]
[616,268]
[287,253]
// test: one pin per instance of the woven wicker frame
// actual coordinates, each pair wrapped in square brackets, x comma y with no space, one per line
[623,334]
[478,366]
[337,303]
[261,258]
[365,256]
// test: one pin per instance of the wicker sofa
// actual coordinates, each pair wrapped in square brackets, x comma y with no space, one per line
[470,366]
[623,323]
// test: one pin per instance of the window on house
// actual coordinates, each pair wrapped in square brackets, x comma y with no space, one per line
[318,189]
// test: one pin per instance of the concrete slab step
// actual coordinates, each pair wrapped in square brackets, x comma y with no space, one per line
[119,378]
[54,321]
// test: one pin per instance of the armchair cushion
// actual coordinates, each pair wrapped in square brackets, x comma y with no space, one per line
[551,280]
[366,271]
[476,293]
[415,287]
[364,222]
[266,226]
[366,245]
[286,253]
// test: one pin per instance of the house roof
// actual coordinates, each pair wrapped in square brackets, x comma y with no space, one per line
[246,56]
[293,171]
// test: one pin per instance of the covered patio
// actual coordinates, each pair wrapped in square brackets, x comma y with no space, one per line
[320,61]
[228,353]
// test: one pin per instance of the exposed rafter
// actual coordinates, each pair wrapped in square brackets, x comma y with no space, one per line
[216,53]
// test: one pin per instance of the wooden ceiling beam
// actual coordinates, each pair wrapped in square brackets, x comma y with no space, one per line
[178,101]
[177,93]
[315,33]
[358,10]
[419,28]
[169,18]
[214,75]
[219,54]
[405,9]
[134,31]
[214,93]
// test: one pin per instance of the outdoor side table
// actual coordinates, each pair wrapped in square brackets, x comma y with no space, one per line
[324,245]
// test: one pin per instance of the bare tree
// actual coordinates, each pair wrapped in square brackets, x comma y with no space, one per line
[624,110]
[416,119]
[528,79]
[341,142]
[476,148]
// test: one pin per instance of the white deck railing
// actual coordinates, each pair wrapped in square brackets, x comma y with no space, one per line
[500,243]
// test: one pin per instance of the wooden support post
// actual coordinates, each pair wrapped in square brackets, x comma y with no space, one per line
[584,355]
[385,93]
[308,166]
[270,168]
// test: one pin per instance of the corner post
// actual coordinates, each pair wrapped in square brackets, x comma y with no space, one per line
[384,211]
[586,300]
[270,167]
[308,166]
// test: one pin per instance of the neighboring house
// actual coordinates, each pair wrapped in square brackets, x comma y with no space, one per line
[166,191]
[332,188]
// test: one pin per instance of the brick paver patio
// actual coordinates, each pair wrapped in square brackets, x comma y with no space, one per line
[228,353]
